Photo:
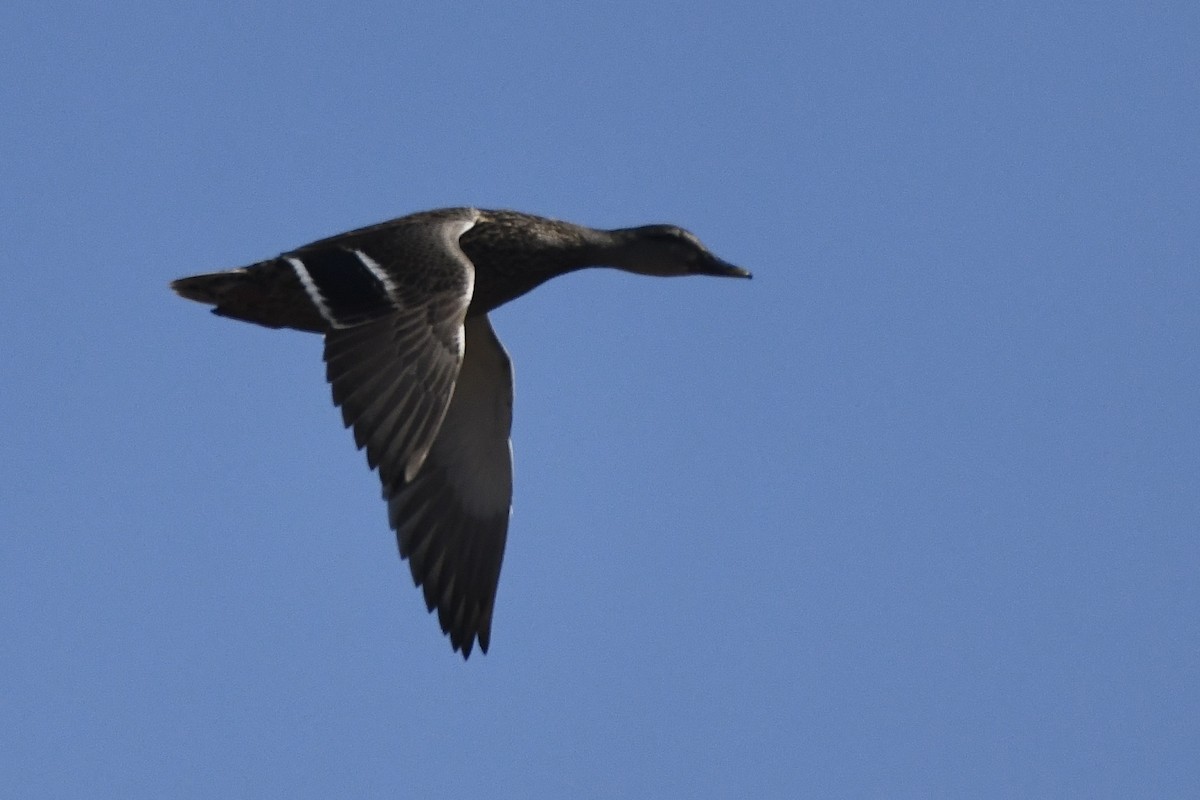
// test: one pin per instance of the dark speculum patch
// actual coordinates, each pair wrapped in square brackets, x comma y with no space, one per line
[351,291]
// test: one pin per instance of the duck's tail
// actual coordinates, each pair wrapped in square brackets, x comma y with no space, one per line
[267,293]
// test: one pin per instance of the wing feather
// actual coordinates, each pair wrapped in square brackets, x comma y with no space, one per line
[451,520]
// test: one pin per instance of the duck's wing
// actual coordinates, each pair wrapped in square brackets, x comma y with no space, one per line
[451,519]
[428,393]
[396,303]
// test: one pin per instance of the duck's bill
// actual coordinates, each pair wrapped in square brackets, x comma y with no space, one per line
[722,269]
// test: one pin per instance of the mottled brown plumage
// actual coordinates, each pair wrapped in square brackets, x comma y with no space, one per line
[419,374]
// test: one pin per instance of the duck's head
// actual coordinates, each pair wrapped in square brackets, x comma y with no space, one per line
[667,250]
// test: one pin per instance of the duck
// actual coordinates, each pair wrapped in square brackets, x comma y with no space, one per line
[419,374]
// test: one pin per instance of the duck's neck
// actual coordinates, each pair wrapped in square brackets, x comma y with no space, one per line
[513,254]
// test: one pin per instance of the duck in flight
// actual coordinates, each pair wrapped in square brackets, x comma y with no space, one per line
[419,374]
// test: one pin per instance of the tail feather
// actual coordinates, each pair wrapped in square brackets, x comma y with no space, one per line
[211,289]
[267,293]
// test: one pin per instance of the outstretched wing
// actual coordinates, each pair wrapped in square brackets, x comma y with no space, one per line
[428,394]
[392,357]
[451,519]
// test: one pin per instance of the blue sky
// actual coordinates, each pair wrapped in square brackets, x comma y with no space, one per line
[912,514]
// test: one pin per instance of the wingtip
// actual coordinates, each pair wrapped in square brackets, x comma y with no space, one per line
[465,648]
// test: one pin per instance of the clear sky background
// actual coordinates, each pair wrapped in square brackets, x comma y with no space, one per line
[914,513]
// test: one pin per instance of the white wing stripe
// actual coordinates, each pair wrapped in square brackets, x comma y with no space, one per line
[310,287]
[381,275]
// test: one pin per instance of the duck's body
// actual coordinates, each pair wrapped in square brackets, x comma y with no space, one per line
[419,373]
